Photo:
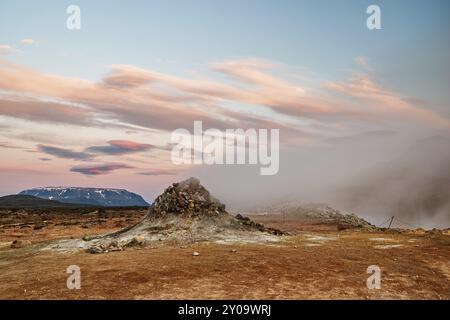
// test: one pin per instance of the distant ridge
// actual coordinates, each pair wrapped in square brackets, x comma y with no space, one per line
[109,197]
[20,201]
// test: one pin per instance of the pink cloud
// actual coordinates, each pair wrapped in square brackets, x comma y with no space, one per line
[134,96]
[381,102]
[44,111]
[120,147]
[127,76]
[99,169]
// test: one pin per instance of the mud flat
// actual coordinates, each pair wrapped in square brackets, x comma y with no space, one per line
[191,248]
[305,267]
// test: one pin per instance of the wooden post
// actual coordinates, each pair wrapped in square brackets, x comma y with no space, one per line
[390,223]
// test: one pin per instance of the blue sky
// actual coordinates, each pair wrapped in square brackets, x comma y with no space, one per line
[411,53]
[137,70]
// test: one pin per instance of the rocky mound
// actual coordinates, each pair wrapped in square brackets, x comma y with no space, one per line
[185,213]
[186,199]
[316,212]
[329,214]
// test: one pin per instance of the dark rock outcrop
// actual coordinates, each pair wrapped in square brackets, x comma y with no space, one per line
[188,199]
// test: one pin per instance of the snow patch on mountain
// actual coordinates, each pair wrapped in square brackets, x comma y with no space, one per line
[92,196]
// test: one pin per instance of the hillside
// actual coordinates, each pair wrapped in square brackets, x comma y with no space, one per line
[20,200]
[91,196]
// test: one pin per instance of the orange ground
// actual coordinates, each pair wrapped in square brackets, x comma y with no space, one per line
[301,267]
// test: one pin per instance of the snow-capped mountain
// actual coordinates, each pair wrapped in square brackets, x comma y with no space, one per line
[91,196]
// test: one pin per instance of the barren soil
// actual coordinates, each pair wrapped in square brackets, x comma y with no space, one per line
[307,265]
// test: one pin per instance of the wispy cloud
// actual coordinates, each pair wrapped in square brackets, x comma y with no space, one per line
[383,103]
[99,169]
[7,49]
[43,111]
[126,76]
[158,172]
[63,153]
[117,147]
[8,145]
[114,147]
[150,99]
[141,99]
[27,41]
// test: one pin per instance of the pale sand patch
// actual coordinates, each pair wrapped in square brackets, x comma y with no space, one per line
[381,239]
[320,238]
[5,244]
[388,246]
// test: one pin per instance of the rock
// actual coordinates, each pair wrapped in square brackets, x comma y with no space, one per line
[39,226]
[20,244]
[436,231]
[195,254]
[233,250]
[136,241]
[115,246]
[419,231]
[247,222]
[95,249]
[187,198]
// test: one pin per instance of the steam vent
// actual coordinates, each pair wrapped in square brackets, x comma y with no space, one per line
[188,199]
[184,213]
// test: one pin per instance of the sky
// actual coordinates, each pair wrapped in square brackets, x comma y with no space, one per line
[96,106]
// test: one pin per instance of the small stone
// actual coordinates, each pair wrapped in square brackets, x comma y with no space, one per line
[136,241]
[94,249]
[195,253]
[39,226]
[20,243]
[233,250]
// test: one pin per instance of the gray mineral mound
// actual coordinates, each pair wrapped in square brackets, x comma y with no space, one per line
[316,211]
[184,213]
[327,213]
